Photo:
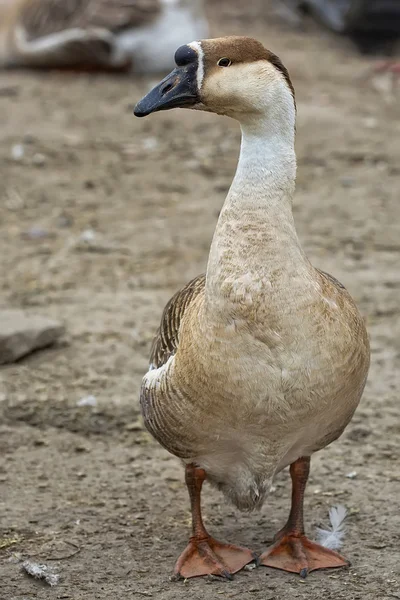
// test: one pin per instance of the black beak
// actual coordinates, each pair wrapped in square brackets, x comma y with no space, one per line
[178,89]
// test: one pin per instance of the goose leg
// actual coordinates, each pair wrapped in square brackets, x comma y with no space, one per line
[292,550]
[204,555]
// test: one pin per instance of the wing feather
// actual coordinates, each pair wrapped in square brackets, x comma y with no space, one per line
[332,279]
[166,340]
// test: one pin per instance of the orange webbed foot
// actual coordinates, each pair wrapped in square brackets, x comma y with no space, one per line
[210,557]
[298,554]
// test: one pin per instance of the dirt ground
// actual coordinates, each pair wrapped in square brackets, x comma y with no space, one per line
[102,219]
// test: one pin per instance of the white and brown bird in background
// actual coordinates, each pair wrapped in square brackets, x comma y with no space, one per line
[138,35]
[262,361]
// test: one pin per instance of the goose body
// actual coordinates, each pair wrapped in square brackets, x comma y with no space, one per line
[232,397]
[262,361]
[139,35]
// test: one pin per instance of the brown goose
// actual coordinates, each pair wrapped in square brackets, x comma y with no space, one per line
[262,361]
[97,34]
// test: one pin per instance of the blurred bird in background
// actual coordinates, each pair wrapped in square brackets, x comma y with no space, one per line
[116,35]
[372,25]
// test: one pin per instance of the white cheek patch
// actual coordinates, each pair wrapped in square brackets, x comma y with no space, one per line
[196,46]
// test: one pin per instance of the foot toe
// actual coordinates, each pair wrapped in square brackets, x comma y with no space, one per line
[209,557]
[300,555]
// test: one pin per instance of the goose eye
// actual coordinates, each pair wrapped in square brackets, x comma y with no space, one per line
[224,62]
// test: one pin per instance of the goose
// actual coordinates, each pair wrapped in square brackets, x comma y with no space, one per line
[373,27]
[262,361]
[138,35]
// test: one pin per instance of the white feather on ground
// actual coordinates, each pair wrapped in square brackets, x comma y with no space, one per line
[332,538]
[40,571]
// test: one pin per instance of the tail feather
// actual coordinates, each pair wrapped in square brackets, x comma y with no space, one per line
[332,538]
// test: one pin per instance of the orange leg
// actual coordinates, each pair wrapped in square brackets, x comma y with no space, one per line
[292,550]
[204,555]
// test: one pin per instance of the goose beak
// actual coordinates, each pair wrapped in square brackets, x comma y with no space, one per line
[176,90]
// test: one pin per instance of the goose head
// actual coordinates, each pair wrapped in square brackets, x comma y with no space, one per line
[233,76]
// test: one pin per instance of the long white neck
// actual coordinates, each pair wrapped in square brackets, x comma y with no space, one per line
[255,245]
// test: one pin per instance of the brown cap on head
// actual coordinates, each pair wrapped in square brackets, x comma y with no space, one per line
[240,49]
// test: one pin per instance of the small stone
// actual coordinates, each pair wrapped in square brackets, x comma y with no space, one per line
[21,334]
[351,475]
[358,433]
[40,442]
[14,201]
[81,449]
[347,182]
[134,426]
[39,160]
[64,221]
[28,138]
[371,122]
[150,143]
[36,232]
[89,184]
[87,401]
[354,510]
[377,545]
[88,235]
[17,152]
[9,91]
[172,475]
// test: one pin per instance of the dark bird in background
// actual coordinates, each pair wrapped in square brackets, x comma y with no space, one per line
[372,25]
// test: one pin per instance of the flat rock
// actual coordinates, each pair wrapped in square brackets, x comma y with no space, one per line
[21,334]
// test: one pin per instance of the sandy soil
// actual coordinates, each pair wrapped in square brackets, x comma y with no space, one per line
[125,210]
